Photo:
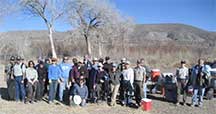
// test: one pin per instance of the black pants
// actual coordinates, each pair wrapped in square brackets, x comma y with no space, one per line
[40,90]
[126,91]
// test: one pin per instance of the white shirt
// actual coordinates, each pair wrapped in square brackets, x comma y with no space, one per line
[31,74]
[18,71]
[182,72]
[128,74]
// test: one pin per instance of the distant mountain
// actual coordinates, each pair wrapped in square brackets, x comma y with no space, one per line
[175,32]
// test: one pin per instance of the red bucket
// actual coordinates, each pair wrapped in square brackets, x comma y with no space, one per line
[155,73]
[146,104]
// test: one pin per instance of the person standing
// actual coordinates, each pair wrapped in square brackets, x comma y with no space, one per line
[9,70]
[9,74]
[47,63]
[139,82]
[182,80]
[32,81]
[93,80]
[107,66]
[42,77]
[199,78]
[65,68]
[102,84]
[54,75]
[127,84]
[19,74]
[115,83]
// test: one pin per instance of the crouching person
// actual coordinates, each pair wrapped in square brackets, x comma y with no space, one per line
[31,76]
[81,90]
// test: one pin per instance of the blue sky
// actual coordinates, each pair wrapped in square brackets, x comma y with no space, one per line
[198,13]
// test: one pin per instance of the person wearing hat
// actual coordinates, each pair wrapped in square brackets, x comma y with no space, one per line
[102,84]
[92,80]
[87,62]
[19,74]
[198,81]
[121,65]
[139,82]
[65,68]
[115,83]
[78,69]
[8,77]
[127,84]
[54,76]
[81,90]
[182,76]
[9,70]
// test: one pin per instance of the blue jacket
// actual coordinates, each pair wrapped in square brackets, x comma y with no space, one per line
[81,91]
[54,72]
[65,70]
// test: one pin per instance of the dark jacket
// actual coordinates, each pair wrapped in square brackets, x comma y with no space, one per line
[107,67]
[115,77]
[92,77]
[199,76]
[102,75]
[42,73]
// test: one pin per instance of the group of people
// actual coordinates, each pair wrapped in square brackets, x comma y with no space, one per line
[97,80]
[197,78]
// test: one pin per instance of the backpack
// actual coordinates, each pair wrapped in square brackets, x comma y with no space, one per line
[210,94]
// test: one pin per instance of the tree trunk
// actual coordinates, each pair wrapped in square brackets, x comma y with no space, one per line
[54,55]
[88,45]
[99,46]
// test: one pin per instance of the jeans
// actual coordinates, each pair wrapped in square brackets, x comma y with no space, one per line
[52,89]
[145,90]
[198,94]
[126,92]
[62,87]
[83,103]
[19,86]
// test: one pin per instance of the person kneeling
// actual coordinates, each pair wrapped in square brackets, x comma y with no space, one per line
[79,89]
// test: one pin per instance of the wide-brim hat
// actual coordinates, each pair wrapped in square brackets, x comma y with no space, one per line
[127,62]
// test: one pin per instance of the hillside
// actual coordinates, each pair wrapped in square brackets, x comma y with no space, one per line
[154,40]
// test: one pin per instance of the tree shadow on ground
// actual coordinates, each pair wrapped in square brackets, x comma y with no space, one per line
[156,97]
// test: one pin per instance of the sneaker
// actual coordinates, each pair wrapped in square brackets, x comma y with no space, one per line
[177,104]
[200,105]
[183,104]
[192,105]
[50,102]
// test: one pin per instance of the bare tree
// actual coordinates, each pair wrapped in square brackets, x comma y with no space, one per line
[49,11]
[93,17]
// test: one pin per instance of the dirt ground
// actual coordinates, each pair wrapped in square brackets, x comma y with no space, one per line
[159,106]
